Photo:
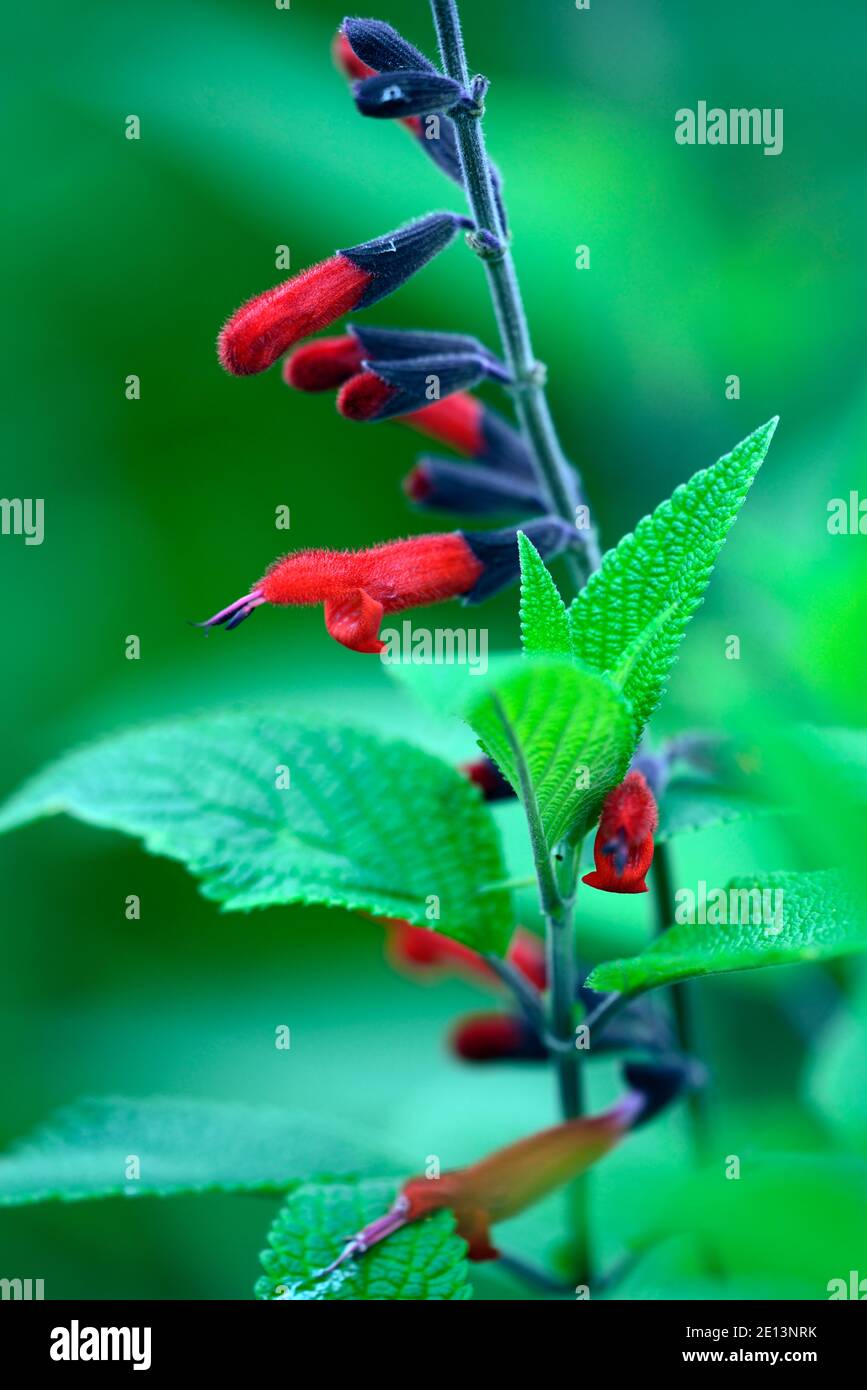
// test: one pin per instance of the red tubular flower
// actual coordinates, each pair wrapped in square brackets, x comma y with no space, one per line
[623,849]
[324,364]
[497,1038]
[428,954]
[506,1182]
[358,587]
[264,327]
[267,325]
[456,421]
[470,428]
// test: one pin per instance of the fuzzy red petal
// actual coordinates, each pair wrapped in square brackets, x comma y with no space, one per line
[456,421]
[324,364]
[266,326]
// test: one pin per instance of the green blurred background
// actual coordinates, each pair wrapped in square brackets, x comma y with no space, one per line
[125,257]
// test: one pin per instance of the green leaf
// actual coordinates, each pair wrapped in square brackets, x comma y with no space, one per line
[819,920]
[544,620]
[182,1146]
[368,824]
[562,736]
[423,1261]
[664,564]
[693,803]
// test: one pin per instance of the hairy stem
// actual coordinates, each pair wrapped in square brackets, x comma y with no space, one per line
[557,480]
[561,489]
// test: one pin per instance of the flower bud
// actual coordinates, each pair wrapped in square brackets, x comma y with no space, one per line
[623,849]
[396,95]
[267,325]
[380,47]
[440,485]
[472,429]
[497,1038]
[323,364]
[400,387]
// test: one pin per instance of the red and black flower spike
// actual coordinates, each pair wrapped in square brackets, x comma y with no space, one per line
[270,323]
[623,849]
[358,587]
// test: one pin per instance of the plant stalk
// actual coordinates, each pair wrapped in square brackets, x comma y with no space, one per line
[558,482]
[561,489]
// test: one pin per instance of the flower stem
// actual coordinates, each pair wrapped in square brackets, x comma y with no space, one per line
[558,482]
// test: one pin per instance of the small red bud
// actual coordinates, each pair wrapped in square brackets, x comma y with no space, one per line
[623,849]
[364,396]
[496,1038]
[324,364]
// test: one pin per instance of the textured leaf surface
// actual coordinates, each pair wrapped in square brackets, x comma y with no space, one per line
[574,732]
[424,1261]
[545,629]
[666,561]
[182,1146]
[819,921]
[368,824]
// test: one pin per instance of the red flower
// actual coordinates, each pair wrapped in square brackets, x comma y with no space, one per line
[624,841]
[267,325]
[431,953]
[323,365]
[456,421]
[264,327]
[364,396]
[358,587]
[505,1183]
[497,1038]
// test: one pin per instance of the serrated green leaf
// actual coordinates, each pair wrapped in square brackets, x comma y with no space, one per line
[691,803]
[182,1146]
[544,621]
[368,824]
[560,734]
[666,561]
[424,1261]
[819,921]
